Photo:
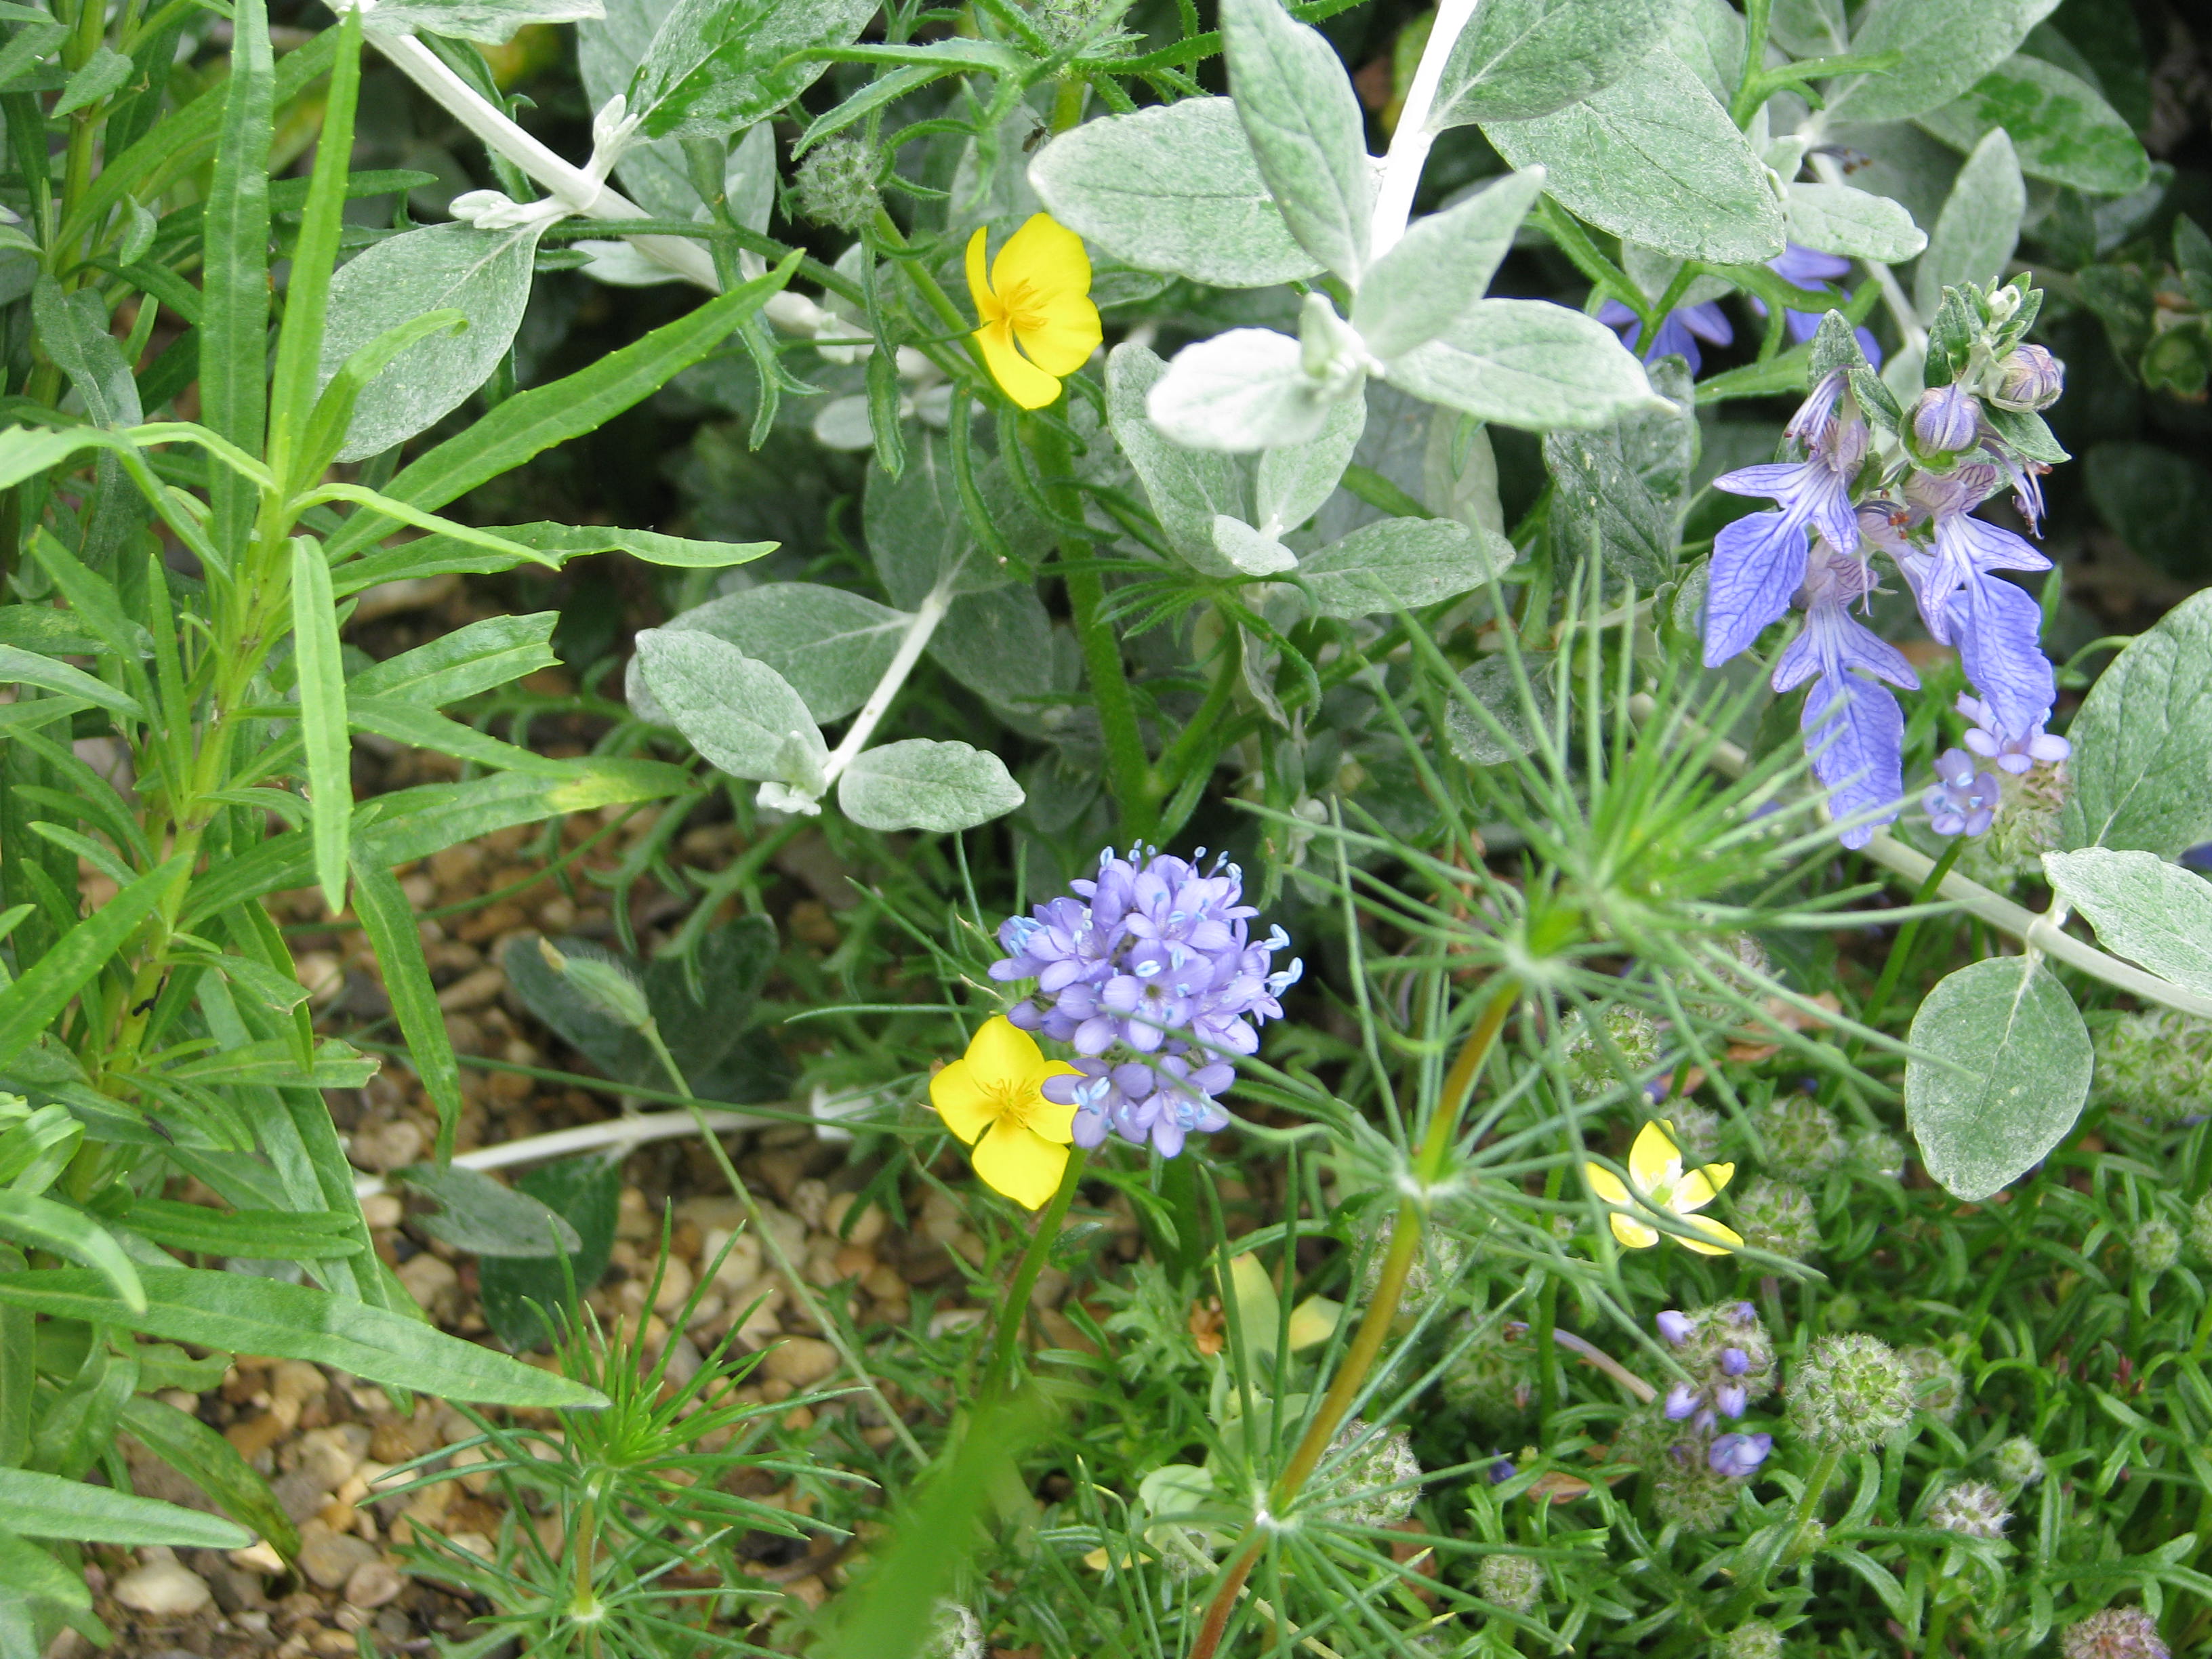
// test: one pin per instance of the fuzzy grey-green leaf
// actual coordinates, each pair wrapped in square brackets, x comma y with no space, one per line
[2142,908]
[919,785]
[1980,225]
[1306,132]
[738,712]
[1946,45]
[2142,743]
[1518,59]
[1397,563]
[1998,1073]
[1527,363]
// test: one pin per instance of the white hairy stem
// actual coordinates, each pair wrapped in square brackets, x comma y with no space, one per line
[574,187]
[2044,933]
[1893,293]
[628,1132]
[1411,139]
[926,615]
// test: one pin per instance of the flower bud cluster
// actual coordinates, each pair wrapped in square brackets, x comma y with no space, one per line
[1939,1387]
[1973,1509]
[2114,1633]
[1603,1051]
[2018,1463]
[836,184]
[1803,1141]
[1777,1216]
[2156,1064]
[1369,1479]
[1515,1583]
[2156,1244]
[1695,1465]
[1850,1393]
[1755,1638]
[1493,1380]
[2200,1228]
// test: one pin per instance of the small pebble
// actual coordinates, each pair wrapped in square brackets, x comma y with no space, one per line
[372,1583]
[382,1210]
[387,1147]
[800,1361]
[329,1559]
[675,1283]
[164,1588]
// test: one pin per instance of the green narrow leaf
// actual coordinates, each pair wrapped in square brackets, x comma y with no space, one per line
[248,1315]
[314,257]
[388,918]
[36,1000]
[323,715]
[29,668]
[545,415]
[212,1463]
[234,325]
[47,1506]
[44,1225]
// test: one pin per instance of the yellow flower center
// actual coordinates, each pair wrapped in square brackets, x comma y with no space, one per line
[1010,1100]
[1025,312]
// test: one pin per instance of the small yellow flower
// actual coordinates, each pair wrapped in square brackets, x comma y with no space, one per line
[992,1099]
[1655,1165]
[1036,301]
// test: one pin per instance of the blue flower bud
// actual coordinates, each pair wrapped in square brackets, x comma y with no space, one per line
[1739,1455]
[2029,378]
[1946,419]
[1673,1325]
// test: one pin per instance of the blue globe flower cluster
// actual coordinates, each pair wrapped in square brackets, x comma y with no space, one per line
[1150,975]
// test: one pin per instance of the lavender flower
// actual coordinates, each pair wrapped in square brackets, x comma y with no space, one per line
[1678,334]
[1946,419]
[1739,1455]
[1681,1401]
[1734,1361]
[1730,1399]
[1853,727]
[2029,378]
[1674,1326]
[1802,267]
[1963,801]
[1150,975]
[1758,561]
[2016,754]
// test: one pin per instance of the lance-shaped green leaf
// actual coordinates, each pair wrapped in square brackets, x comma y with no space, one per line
[484,275]
[1173,188]
[488,23]
[323,726]
[1979,227]
[36,999]
[213,1464]
[46,1506]
[249,1315]
[234,328]
[20,667]
[717,65]
[1998,1073]
[388,918]
[478,1215]
[1518,59]
[919,784]
[479,657]
[1306,129]
[2142,908]
[333,416]
[73,330]
[1653,158]
[43,1225]
[2060,127]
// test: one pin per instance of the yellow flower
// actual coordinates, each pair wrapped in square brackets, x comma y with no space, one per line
[1655,1165]
[991,1098]
[1036,301]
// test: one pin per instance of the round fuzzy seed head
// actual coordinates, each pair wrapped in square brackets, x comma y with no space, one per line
[2018,1463]
[2027,827]
[958,1633]
[837,185]
[1376,1479]
[1973,1509]
[1850,1393]
[1802,1140]
[1697,1131]
[1441,1264]
[1755,1639]
[2115,1634]
[1686,1492]
[1515,1583]
[1938,1386]
[1879,1151]
[1610,1050]
[1811,1540]
[2200,1227]
[1737,958]
[1494,1382]
[1776,1215]
[2156,1246]
[2157,1065]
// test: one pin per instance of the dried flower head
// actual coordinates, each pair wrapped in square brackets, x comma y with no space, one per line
[2156,1244]
[1368,1479]
[1973,1509]
[836,184]
[1493,1380]
[2114,1633]
[1755,1639]
[2157,1064]
[1802,1138]
[2018,1462]
[1608,1050]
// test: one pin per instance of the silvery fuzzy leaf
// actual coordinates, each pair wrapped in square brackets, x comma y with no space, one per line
[1837,219]
[740,714]
[488,23]
[1173,188]
[1441,266]
[1518,59]
[1527,363]
[1187,487]
[1947,46]
[1308,133]
[1979,226]
[1396,563]
[942,787]
[1294,480]
[1254,552]
[1244,390]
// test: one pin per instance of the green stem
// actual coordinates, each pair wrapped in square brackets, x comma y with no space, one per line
[1752,91]
[1129,771]
[1013,1310]
[1366,1345]
[784,1265]
[1808,1500]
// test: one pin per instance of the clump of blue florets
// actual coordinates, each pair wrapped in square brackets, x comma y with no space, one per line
[1872,477]
[1150,975]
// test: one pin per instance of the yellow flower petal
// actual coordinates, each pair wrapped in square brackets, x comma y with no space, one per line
[1651,1159]
[987,308]
[1606,1184]
[1005,1056]
[1049,1118]
[1018,376]
[1696,1189]
[1026,1167]
[1060,334]
[967,1107]
[1043,256]
[1633,1233]
[1724,1239]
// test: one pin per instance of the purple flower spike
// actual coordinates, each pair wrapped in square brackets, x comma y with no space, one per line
[1674,1326]
[1734,1361]
[1681,1401]
[1729,1400]
[1739,1455]
[1963,801]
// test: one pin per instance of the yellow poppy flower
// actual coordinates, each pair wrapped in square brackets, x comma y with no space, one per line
[1654,1166]
[993,1099]
[1039,325]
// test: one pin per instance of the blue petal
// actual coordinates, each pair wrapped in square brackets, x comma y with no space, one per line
[2000,633]
[1759,561]
[1855,733]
